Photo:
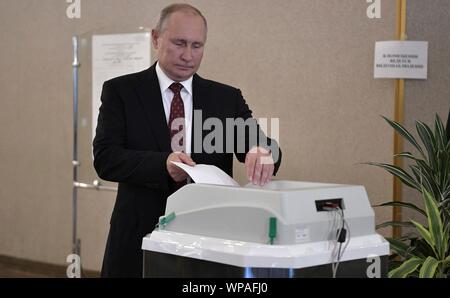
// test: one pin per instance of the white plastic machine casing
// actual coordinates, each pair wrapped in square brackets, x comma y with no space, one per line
[230,225]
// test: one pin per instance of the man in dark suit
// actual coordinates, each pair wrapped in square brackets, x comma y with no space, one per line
[136,140]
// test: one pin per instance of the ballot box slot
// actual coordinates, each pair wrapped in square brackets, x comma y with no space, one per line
[329,204]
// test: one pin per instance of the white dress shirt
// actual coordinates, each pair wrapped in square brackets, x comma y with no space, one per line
[186,96]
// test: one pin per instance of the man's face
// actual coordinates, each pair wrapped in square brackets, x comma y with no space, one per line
[180,46]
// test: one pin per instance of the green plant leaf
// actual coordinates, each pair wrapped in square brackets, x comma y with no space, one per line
[405,133]
[410,236]
[439,132]
[421,248]
[446,240]
[402,204]
[434,223]
[428,268]
[406,268]
[398,247]
[425,234]
[447,261]
[402,249]
[395,224]
[407,155]
[397,172]
[423,179]
[444,169]
[425,168]
[427,137]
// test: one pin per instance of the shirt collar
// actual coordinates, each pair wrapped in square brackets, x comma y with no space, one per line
[165,81]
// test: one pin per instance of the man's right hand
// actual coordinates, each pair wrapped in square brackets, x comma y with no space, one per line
[175,172]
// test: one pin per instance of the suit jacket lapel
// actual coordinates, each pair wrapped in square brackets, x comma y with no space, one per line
[151,100]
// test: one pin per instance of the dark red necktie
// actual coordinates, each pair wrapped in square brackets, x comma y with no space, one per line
[177,115]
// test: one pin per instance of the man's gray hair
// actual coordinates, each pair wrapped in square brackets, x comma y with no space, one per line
[167,11]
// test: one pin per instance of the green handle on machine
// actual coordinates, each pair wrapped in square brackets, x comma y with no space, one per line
[272,229]
[164,220]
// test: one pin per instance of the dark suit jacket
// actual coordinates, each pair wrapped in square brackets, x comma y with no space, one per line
[131,147]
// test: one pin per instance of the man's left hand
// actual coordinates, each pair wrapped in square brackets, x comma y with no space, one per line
[259,165]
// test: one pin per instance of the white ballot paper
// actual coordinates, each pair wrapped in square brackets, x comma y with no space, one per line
[207,174]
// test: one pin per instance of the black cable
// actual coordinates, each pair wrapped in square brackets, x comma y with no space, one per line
[341,237]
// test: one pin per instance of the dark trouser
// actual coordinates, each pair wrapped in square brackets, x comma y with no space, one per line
[123,253]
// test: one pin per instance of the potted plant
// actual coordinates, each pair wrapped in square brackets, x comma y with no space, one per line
[425,252]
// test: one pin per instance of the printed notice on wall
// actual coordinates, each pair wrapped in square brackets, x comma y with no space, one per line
[114,55]
[401,59]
